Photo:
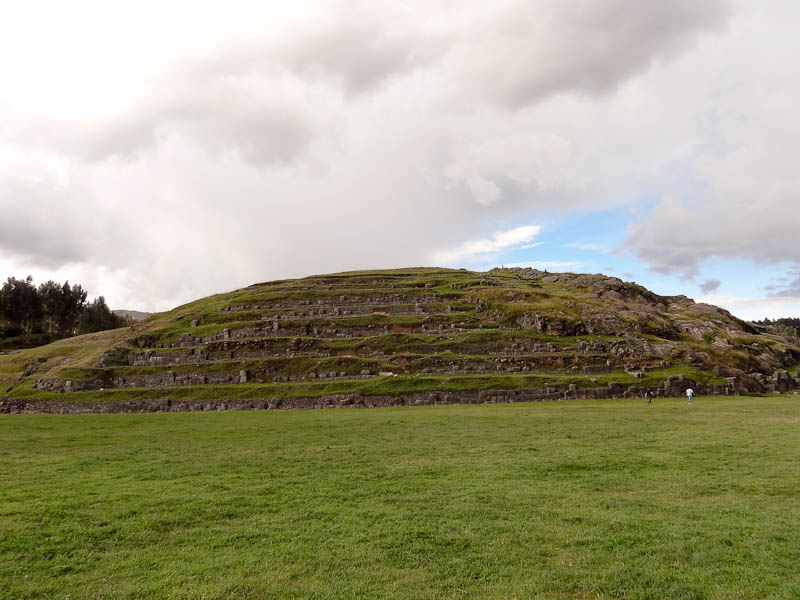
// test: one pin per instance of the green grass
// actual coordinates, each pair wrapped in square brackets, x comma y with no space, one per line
[80,351]
[612,499]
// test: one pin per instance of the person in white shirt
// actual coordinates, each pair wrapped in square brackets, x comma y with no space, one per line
[689,394]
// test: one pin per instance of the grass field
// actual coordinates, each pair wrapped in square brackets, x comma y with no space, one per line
[603,499]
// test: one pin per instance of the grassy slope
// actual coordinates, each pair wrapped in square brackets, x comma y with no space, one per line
[606,499]
[78,352]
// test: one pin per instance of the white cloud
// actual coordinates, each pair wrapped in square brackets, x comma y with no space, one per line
[484,191]
[539,160]
[502,240]
[739,196]
[586,246]
[755,309]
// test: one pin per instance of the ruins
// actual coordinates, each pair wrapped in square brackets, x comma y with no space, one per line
[441,336]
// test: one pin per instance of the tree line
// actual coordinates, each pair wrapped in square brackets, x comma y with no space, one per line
[32,316]
[788,326]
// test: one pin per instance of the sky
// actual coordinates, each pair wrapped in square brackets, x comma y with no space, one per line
[158,152]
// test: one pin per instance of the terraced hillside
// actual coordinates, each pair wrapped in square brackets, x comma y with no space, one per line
[410,336]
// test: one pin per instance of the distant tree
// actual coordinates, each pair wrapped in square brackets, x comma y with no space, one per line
[788,326]
[74,302]
[61,307]
[20,304]
[96,316]
[31,316]
[50,296]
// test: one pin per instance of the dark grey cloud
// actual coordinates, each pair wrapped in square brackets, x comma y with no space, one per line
[710,285]
[359,55]
[546,48]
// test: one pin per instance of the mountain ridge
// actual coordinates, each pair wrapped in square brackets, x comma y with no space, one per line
[136,315]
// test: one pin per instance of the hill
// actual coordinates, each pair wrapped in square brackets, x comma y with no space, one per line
[406,336]
[136,315]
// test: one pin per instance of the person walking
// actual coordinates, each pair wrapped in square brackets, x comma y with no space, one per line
[690,395]
[649,396]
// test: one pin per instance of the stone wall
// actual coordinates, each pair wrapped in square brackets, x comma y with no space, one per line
[349,310]
[272,371]
[341,302]
[188,352]
[276,329]
[672,387]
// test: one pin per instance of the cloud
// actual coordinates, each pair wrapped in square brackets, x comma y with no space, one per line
[345,136]
[502,240]
[587,247]
[755,309]
[37,204]
[790,289]
[265,97]
[738,196]
[270,97]
[549,48]
[710,285]
[484,191]
[264,116]
[378,41]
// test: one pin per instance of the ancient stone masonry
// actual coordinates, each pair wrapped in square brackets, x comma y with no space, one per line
[60,386]
[116,356]
[428,308]
[522,348]
[188,340]
[271,372]
[149,359]
[230,350]
[779,381]
[677,386]
[340,302]
[164,404]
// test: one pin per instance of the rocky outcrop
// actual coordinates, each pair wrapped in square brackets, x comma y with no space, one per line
[552,325]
